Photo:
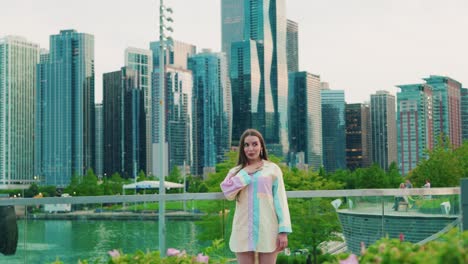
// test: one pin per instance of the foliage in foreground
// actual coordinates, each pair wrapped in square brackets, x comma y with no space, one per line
[450,248]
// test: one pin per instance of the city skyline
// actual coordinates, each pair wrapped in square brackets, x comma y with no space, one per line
[356,46]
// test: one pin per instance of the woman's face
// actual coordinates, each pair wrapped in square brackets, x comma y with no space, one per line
[252,148]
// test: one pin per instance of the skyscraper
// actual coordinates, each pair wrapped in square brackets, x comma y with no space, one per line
[124,124]
[292,46]
[464,113]
[305,118]
[333,129]
[212,110]
[232,24]
[383,129]
[99,141]
[41,81]
[265,41]
[414,124]
[446,108]
[68,107]
[18,59]
[357,136]
[179,111]
[141,61]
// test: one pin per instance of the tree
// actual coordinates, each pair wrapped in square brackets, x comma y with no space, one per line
[443,167]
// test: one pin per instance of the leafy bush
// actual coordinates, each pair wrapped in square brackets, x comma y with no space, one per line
[449,248]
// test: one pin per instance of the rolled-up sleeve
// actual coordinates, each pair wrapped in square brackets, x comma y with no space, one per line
[281,204]
[234,183]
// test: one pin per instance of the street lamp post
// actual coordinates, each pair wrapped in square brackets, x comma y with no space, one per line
[162,128]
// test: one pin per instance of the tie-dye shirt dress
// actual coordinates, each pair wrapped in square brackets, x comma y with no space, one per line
[261,208]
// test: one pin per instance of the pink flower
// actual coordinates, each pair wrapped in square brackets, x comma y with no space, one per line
[172,252]
[352,259]
[202,259]
[114,253]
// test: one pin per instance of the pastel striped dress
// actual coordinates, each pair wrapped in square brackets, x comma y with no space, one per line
[261,208]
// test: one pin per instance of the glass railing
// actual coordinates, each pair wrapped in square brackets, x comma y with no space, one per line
[73,228]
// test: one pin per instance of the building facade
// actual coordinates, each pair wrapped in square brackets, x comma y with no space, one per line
[446,108]
[333,129]
[292,45]
[414,124]
[305,119]
[232,25]
[68,107]
[358,138]
[141,61]
[18,59]
[265,42]
[464,113]
[99,142]
[383,129]
[211,111]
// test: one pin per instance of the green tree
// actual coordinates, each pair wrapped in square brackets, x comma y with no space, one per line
[443,167]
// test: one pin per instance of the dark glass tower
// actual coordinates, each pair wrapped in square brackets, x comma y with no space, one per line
[357,136]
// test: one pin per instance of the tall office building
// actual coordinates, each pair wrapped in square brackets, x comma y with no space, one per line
[232,24]
[265,43]
[99,142]
[464,113]
[178,82]
[18,59]
[305,118]
[39,115]
[68,107]
[414,124]
[212,110]
[333,129]
[124,123]
[358,138]
[446,108]
[383,129]
[292,46]
[141,61]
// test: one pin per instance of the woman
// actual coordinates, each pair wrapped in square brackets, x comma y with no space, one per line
[261,222]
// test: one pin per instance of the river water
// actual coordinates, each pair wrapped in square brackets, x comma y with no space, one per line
[44,241]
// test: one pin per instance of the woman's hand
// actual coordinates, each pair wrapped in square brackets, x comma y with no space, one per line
[281,242]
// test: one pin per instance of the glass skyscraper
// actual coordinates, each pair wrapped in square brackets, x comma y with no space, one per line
[464,113]
[292,46]
[265,42]
[141,61]
[18,59]
[383,129]
[446,108]
[211,110]
[68,107]
[305,119]
[178,87]
[99,141]
[115,126]
[333,129]
[232,24]
[358,138]
[414,124]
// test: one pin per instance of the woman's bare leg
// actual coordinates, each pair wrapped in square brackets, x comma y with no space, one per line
[245,257]
[267,258]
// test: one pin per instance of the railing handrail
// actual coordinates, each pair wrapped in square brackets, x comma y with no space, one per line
[220,196]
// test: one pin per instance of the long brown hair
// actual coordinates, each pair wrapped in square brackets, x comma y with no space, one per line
[242,159]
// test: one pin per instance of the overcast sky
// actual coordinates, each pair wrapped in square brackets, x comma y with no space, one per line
[359,46]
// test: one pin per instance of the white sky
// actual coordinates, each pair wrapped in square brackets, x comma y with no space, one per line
[360,46]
